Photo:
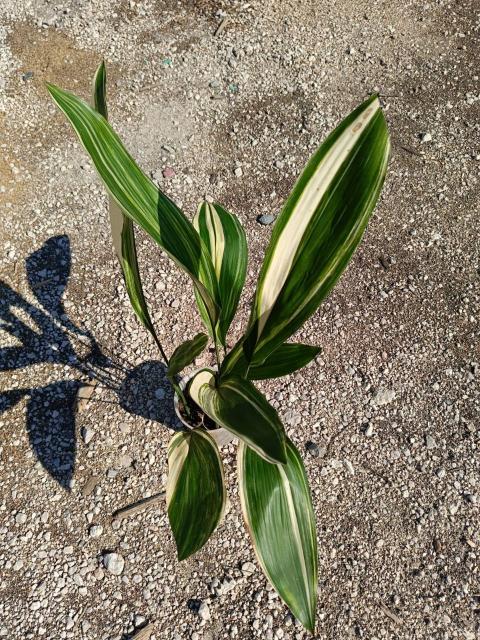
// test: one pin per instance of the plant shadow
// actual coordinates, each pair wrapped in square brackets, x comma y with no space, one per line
[44,334]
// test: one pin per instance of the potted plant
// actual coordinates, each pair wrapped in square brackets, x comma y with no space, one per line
[312,242]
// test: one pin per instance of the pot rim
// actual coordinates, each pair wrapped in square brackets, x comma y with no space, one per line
[221,435]
[183,384]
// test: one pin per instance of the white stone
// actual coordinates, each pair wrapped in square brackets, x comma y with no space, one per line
[87,434]
[114,563]
[383,396]
[95,531]
[139,620]
[248,568]
[204,611]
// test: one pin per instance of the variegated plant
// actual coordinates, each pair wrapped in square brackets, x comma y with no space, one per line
[312,242]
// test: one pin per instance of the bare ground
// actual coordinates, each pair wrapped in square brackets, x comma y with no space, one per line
[396,484]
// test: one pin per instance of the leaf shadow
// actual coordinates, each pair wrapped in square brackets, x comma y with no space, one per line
[44,334]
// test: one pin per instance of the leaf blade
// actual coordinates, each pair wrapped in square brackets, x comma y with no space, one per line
[318,230]
[196,491]
[99,90]
[239,407]
[286,359]
[123,233]
[137,196]
[186,353]
[225,240]
[277,509]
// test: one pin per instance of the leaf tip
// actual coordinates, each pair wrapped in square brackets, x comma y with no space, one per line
[51,88]
[182,554]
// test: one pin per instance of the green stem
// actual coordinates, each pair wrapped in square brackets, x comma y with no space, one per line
[175,385]
[217,354]
[160,348]
[181,395]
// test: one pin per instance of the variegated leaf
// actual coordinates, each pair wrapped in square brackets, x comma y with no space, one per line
[123,234]
[186,353]
[318,230]
[224,238]
[277,508]
[139,198]
[286,359]
[236,405]
[195,490]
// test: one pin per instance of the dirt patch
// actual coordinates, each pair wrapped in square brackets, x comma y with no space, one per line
[52,57]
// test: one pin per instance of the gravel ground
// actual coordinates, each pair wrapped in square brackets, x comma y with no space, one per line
[387,418]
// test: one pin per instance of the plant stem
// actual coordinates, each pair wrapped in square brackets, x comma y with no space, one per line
[160,348]
[181,395]
[217,354]
[175,385]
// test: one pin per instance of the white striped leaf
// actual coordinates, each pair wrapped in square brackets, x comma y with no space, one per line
[236,405]
[277,509]
[123,234]
[186,353]
[195,490]
[318,230]
[139,198]
[224,238]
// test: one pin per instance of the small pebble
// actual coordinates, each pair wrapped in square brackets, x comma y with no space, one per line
[312,449]
[124,428]
[114,563]
[383,396]
[125,461]
[349,467]
[266,219]
[95,531]
[204,611]
[139,621]
[168,172]
[87,434]
[248,568]
[20,518]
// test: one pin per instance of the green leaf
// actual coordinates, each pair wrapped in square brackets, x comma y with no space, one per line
[225,240]
[317,231]
[186,353]
[284,360]
[100,90]
[236,405]
[277,508]
[195,490]
[139,198]
[123,234]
